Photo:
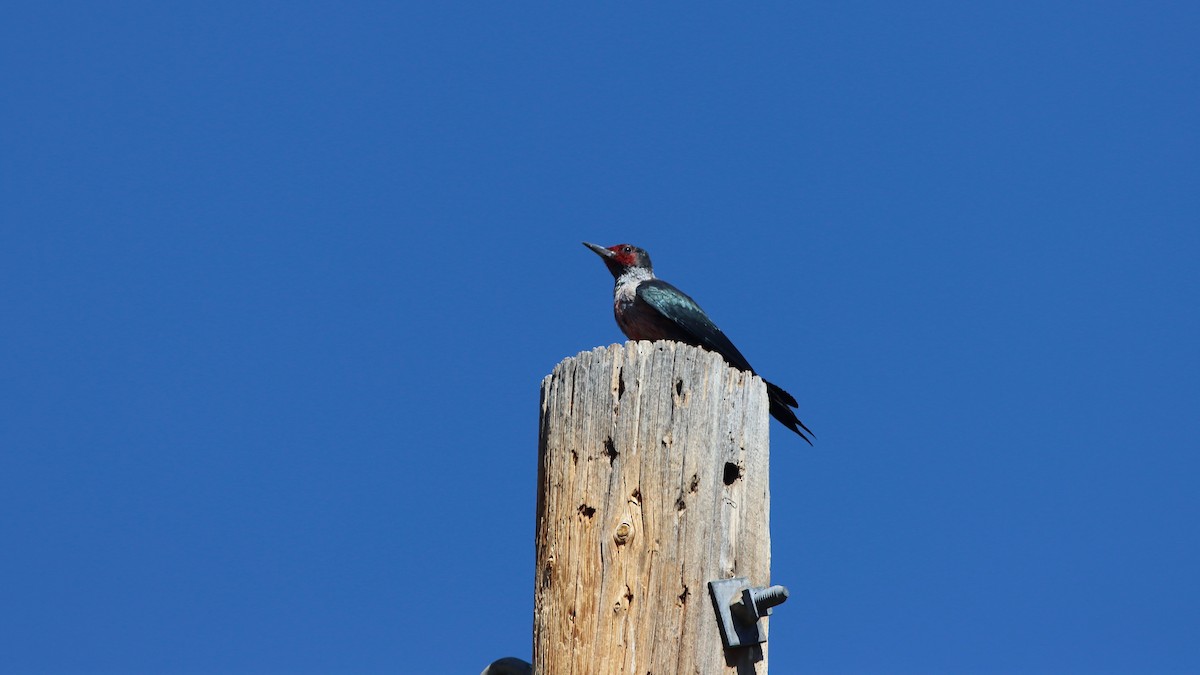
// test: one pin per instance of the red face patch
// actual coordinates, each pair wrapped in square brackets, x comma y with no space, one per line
[626,254]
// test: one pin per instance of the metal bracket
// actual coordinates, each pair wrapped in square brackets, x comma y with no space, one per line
[739,608]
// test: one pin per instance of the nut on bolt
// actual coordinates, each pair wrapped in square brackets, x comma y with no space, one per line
[757,602]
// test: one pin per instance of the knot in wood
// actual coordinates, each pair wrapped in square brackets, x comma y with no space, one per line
[623,533]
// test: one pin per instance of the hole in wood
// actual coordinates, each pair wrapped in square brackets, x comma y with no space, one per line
[620,384]
[679,387]
[587,511]
[732,473]
[610,450]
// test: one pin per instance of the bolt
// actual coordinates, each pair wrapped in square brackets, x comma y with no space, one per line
[757,602]
[766,598]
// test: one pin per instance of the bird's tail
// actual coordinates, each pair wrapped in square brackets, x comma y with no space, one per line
[781,409]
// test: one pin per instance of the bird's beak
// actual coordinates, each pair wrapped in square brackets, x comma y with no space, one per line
[600,250]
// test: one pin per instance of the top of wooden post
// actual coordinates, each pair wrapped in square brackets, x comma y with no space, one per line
[653,481]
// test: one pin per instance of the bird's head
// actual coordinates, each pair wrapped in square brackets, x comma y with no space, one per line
[622,257]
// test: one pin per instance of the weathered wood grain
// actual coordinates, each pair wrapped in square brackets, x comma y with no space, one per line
[653,480]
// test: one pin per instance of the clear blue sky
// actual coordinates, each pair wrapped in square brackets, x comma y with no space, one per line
[279,282]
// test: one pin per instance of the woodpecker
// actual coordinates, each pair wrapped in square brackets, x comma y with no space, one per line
[648,308]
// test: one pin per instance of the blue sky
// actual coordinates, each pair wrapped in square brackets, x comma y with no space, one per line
[279,282]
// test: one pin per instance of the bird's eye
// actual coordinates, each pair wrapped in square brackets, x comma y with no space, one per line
[628,249]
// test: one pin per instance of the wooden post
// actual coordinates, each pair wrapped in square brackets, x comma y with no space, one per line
[652,482]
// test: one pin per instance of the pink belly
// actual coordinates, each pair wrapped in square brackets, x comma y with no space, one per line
[639,326]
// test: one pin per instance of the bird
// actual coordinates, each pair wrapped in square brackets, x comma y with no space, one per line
[648,308]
